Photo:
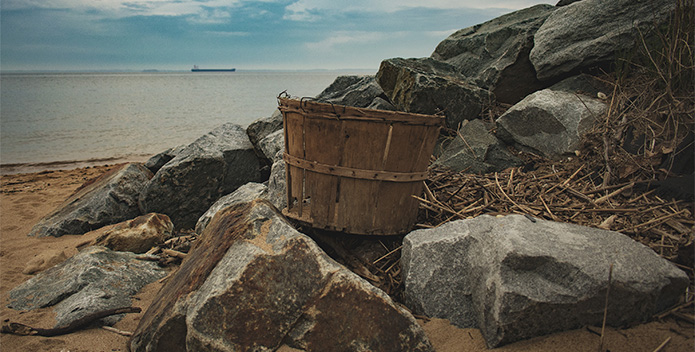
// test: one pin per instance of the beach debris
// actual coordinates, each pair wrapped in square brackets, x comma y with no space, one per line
[253,280]
[506,272]
[108,199]
[137,235]
[94,280]
[212,166]
[26,330]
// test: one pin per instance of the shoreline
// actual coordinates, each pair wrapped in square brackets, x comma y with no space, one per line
[35,167]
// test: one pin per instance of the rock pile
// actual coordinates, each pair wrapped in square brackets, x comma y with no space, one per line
[252,281]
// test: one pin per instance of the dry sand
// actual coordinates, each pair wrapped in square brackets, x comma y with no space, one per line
[25,198]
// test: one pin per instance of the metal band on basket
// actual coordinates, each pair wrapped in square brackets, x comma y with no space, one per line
[354,173]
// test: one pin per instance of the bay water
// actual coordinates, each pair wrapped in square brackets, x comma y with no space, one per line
[68,119]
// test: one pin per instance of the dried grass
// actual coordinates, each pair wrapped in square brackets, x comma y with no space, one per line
[610,183]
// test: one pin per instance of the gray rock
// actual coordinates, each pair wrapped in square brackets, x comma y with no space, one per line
[566,2]
[550,122]
[476,150]
[93,280]
[495,54]
[277,184]
[157,161]
[138,235]
[380,103]
[271,144]
[515,278]
[357,91]
[244,194]
[591,32]
[262,127]
[253,283]
[430,86]
[214,165]
[109,199]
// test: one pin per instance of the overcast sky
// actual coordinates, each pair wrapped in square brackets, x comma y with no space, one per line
[246,34]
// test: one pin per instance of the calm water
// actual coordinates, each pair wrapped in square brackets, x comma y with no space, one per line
[77,117]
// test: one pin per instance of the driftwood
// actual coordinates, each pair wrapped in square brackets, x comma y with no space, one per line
[26,330]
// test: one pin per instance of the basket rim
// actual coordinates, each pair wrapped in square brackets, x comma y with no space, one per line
[310,108]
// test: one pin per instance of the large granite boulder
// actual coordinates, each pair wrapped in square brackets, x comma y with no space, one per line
[430,86]
[244,194]
[214,165]
[552,121]
[476,150]
[357,91]
[516,277]
[253,282]
[93,280]
[495,54]
[264,126]
[591,32]
[106,200]
[137,235]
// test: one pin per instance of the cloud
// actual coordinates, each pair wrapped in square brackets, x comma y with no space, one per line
[312,10]
[211,16]
[347,37]
[123,8]
[287,33]
[226,34]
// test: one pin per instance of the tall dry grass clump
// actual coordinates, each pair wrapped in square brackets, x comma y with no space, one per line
[647,133]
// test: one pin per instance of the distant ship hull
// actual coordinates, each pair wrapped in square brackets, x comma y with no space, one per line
[213,69]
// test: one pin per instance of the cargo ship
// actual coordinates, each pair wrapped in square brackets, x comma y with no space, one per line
[198,69]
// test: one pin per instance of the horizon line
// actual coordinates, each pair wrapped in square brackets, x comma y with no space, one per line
[155,70]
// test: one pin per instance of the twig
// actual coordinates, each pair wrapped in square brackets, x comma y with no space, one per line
[674,309]
[22,329]
[388,254]
[605,308]
[458,132]
[180,238]
[618,191]
[173,253]
[567,180]
[606,152]
[524,208]
[661,218]
[114,330]
[663,344]
[552,216]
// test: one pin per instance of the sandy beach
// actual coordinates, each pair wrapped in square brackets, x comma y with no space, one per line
[25,198]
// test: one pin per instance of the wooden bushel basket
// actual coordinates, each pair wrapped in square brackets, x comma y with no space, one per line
[355,170]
